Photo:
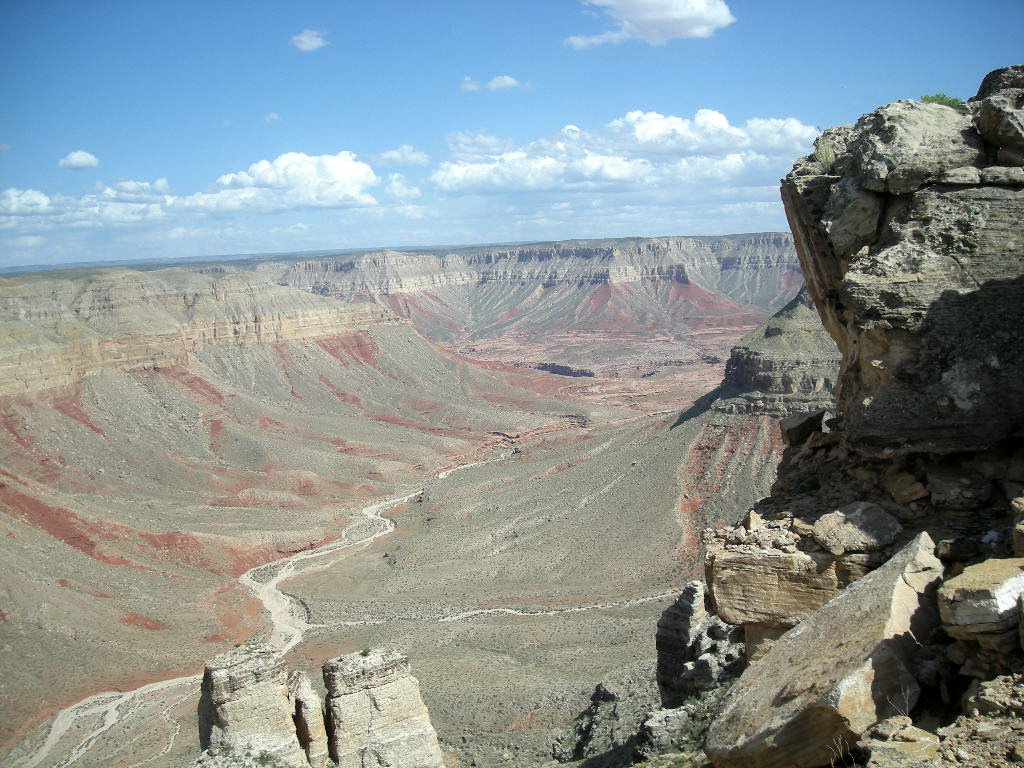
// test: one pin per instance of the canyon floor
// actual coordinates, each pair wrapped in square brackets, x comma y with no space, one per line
[539,523]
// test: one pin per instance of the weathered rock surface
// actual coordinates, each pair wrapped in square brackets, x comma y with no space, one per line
[309,719]
[696,649]
[376,715]
[912,264]
[845,668]
[787,365]
[245,705]
[251,711]
[858,527]
[982,603]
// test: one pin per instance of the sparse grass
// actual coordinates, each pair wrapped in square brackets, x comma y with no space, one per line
[942,98]
[825,153]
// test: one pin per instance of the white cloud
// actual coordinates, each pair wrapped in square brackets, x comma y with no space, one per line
[271,117]
[309,40]
[641,150]
[656,21]
[78,160]
[291,180]
[403,155]
[400,189]
[469,84]
[22,202]
[27,241]
[503,81]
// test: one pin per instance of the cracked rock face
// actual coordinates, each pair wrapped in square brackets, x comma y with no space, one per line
[245,706]
[375,714]
[912,246]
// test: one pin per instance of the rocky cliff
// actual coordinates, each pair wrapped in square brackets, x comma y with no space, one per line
[788,364]
[372,715]
[879,585]
[57,329]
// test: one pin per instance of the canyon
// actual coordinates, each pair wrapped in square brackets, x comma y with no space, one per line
[186,449]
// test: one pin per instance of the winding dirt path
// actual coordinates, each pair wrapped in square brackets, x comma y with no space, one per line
[286,631]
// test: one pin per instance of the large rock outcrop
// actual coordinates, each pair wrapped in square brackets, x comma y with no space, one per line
[908,228]
[912,248]
[787,365]
[246,705]
[842,670]
[373,714]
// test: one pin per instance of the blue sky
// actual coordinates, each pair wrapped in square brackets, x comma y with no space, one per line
[138,130]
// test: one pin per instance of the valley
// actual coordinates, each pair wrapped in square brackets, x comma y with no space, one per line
[170,433]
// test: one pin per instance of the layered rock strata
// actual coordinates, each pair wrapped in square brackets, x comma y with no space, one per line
[787,365]
[246,705]
[58,329]
[696,649]
[373,714]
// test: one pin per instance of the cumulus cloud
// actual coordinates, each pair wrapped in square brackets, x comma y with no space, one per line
[656,21]
[503,81]
[78,160]
[469,84]
[403,155]
[291,180]
[271,117]
[640,149]
[400,189]
[309,40]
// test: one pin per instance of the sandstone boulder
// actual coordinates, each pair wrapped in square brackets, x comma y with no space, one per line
[825,682]
[982,603]
[245,705]
[376,714]
[901,146]
[857,527]
[769,587]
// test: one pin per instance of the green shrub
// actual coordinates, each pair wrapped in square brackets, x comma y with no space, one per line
[942,98]
[364,652]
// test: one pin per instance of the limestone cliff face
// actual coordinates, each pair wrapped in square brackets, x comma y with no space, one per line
[789,364]
[57,329]
[373,714]
[913,251]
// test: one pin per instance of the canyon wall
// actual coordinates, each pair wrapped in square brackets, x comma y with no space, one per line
[59,329]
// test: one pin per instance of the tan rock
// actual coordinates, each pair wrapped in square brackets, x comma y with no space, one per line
[246,705]
[759,638]
[308,715]
[375,713]
[857,527]
[982,603]
[760,586]
[825,682]
[903,487]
